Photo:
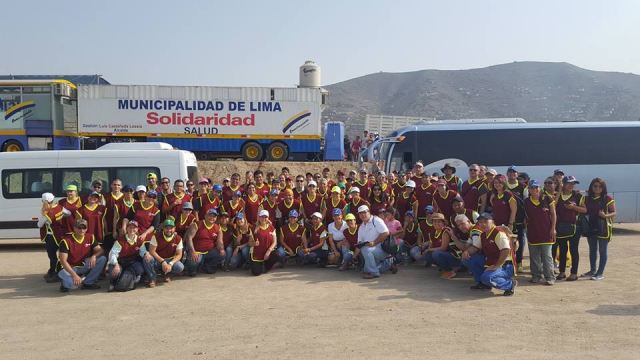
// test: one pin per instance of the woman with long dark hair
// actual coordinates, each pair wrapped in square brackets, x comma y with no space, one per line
[378,199]
[601,209]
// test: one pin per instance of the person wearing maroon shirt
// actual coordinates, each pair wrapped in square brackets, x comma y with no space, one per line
[262,188]
[270,204]
[349,249]
[207,199]
[52,229]
[503,204]
[287,204]
[110,202]
[355,202]
[122,208]
[412,238]
[540,223]
[165,254]
[95,214]
[443,198]
[290,238]
[172,203]
[252,202]
[227,239]
[459,208]
[569,205]
[496,266]
[472,188]
[262,244]
[298,189]
[126,255]
[363,184]
[310,201]
[80,255]
[424,196]
[323,188]
[453,182]
[205,248]
[243,231]
[229,190]
[144,212]
[418,172]
[601,209]
[378,199]
[235,205]
[335,201]
[186,218]
[163,190]
[404,199]
[315,248]
[72,203]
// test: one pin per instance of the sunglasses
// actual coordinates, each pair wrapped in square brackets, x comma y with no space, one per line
[473,169]
[190,184]
[299,180]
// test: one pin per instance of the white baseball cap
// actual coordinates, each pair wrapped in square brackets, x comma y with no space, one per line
[263,213]
[312,183]
[317,214]
[363,208]
[141,188]
[410,183]
[48,197]
[492,172]
[354,189]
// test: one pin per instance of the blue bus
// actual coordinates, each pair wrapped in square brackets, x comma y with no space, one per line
[38,115]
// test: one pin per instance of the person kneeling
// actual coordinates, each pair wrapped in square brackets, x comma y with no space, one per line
[125,265]
[262,244]
[205,248]
[165,252]
[80,255]
[315,247]
[371,234]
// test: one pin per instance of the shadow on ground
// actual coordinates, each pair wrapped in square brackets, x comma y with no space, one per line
[616,310]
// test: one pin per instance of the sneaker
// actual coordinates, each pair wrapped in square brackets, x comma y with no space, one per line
[549,282]
[394,267]
[480,286]
[167,279]
[520,268]
[51,277]
[512,290]
[343,267]
[63,289]
[587,274]
[111,288]
[151,284]
[90,287]
[561,276]
[572,277]
[534,280]
[448,275]
[597,277]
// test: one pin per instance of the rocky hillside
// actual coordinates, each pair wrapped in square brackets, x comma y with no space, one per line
[535,91]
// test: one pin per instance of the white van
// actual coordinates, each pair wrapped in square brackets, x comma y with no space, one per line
[26,175]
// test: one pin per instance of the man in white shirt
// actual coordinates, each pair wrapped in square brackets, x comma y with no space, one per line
[371,234]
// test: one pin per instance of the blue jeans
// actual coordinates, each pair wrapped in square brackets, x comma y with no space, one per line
[597,245]
[317,256]
[91,274]
[283,256]
[376,261]
[475,264]
[241,258]
[499,278]
[153,267]
[347,255]
[206,262]
[445,260]
[228,254]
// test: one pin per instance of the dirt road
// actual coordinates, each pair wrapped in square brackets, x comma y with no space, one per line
[299,313]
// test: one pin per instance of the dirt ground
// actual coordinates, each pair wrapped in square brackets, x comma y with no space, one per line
[298,313]
[217,170]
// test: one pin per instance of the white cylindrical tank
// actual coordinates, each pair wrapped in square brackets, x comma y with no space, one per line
[310,75]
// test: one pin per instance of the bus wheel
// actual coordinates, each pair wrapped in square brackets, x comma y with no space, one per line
[277,152]
[252,151]
[12,146]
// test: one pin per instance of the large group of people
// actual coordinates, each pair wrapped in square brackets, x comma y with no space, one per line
[368,222]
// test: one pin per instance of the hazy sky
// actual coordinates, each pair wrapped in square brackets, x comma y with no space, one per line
[249,43]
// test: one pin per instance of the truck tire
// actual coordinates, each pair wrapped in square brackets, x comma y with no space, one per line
[252,151]
[277,151]
[12,146]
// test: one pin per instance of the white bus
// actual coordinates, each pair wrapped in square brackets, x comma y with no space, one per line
[610,150]
[26,175]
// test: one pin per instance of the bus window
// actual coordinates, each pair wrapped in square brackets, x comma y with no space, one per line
[83,178]
[26,183]
[135,176]
[192,173]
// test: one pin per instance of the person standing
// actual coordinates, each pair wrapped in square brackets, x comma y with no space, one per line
[95,214]
[172,203]
[291,239]
[52,230]
[569,205]
[472,188]
[601,209]
[371,234]
[111,204]
[72,203]
[540,221]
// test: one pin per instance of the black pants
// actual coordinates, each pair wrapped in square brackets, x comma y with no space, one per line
[573,243]
[107,243]
[261,267]
[52,252]
[518,229]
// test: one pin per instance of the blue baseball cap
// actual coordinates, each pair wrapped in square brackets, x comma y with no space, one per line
[485,216]
[274,192]
[237,193]
[293,213]
[240,216]
[429,209]
[217,187]
[212,212]
[512,168]
[127,188]
[534,184]
[152,194]
[410,213]
[336,212]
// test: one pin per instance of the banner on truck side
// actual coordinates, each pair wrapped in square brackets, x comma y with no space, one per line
[119,116]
